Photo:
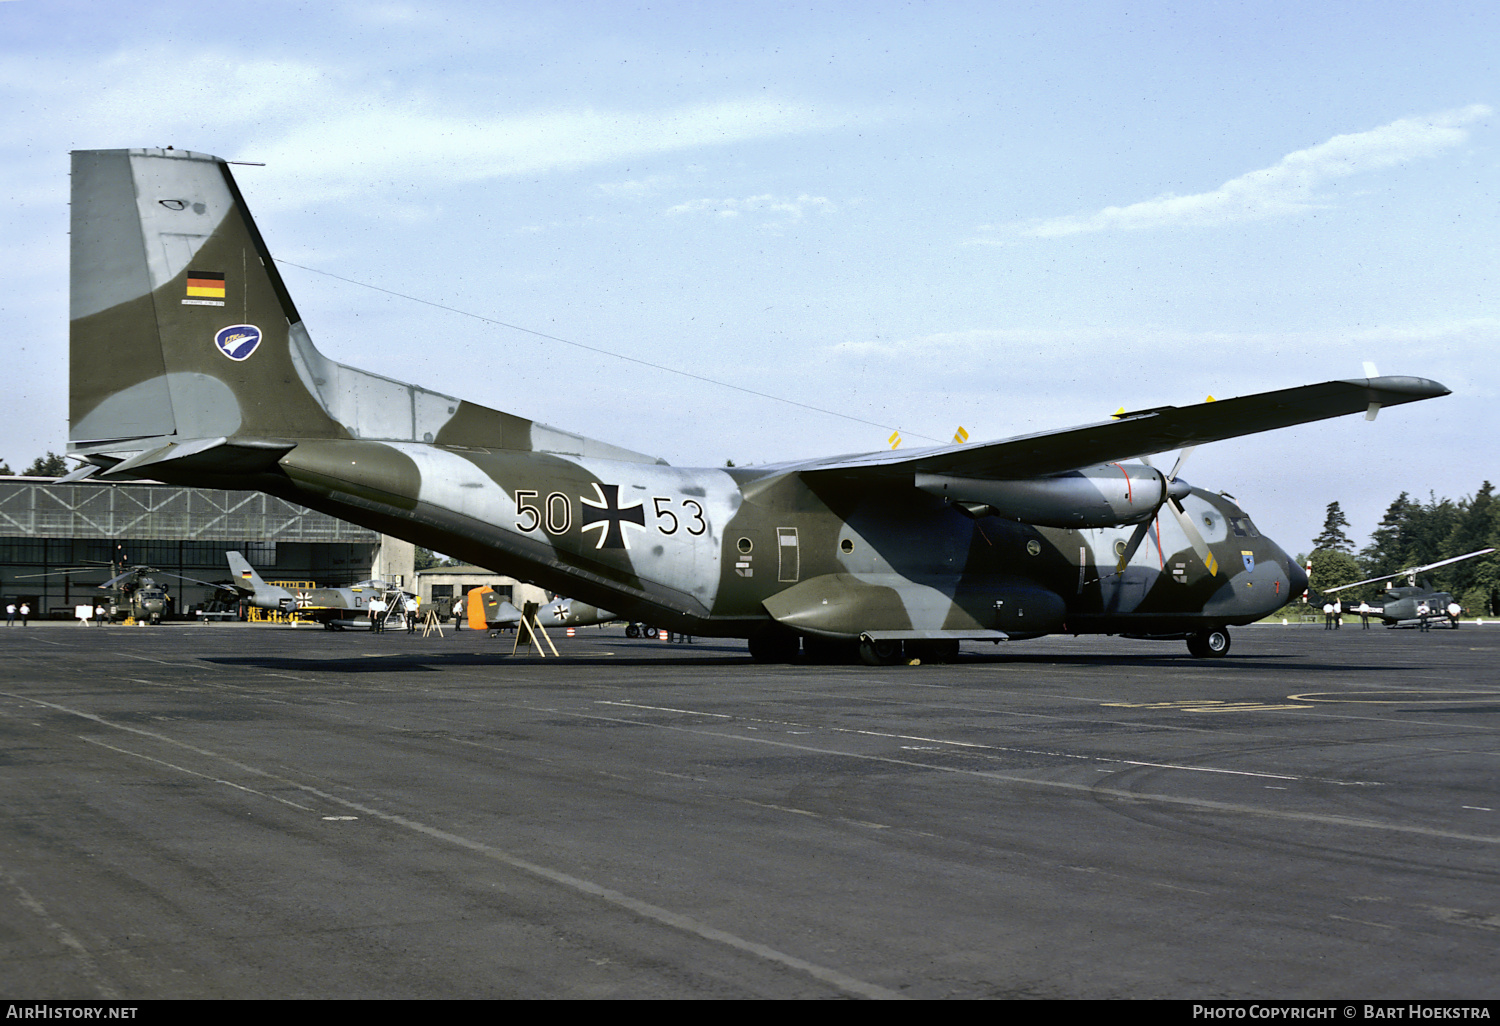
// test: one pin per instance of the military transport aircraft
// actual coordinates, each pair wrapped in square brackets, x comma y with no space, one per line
[334,608]
[1399,606]
[191,365]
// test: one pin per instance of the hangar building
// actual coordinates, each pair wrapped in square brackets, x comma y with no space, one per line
[46,526]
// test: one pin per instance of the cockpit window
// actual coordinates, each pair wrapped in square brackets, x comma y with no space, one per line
[1243,528]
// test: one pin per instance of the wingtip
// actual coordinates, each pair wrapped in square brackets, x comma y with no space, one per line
[1412,387]
[1395,389]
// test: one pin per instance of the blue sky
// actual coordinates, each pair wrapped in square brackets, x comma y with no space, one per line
[1008,216]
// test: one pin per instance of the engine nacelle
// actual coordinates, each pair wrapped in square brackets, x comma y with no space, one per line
[1110,495]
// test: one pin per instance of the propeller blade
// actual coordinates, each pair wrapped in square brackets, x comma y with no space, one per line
[1181,459]
[1136,537]
[1175,492]
[1190,529]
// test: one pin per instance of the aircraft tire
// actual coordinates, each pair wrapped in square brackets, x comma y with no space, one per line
[632,631]
[879,653]
[1211,643]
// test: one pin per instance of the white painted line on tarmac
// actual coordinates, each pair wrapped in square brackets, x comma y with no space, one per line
[656,913]
[925,744]
[195,773]
[1090,790]
[65,937]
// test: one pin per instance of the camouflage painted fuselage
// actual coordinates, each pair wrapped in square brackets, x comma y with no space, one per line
[718,552]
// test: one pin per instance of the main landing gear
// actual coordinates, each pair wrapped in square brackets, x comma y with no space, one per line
[1211,642]
[776,644]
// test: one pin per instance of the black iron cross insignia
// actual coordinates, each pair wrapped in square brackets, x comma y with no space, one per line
[608,518]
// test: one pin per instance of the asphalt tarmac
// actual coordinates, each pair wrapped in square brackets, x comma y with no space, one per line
[247,812]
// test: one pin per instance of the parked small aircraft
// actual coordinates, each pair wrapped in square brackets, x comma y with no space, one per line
[334,608]
[1400,606]
[484,608]
[191,364]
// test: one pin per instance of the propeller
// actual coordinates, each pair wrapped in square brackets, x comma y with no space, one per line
[1177,490]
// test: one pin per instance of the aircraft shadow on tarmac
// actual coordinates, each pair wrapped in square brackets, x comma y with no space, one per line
[706,655]
[432,663]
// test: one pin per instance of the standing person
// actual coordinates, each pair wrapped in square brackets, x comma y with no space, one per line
[99,615]
[1328,616]
[411,615]
[458,614]
[1338,614]
[1424,611]
[377,615]
[1454,610]
[10,614]
[1364,616]
[25,613]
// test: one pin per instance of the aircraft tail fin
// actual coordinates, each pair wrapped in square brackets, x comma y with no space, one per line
[189,356]
[181,329]
[248,582]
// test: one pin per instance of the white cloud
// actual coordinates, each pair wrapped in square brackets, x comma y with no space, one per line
[1289,186]
[792,208]
[343,133]
[638,188]
[361,142]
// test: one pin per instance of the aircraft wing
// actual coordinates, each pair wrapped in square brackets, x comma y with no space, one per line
[1131,435]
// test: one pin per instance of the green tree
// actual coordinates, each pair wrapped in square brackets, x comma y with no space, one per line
[1391,542]
[1477,527]
[1477,602]
[1332,568]
[1416,533]
[51,465]
[5,469]
[1431,528]
[427,559]
[1333,536]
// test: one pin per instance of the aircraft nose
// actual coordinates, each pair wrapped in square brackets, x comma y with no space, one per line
[1296,577]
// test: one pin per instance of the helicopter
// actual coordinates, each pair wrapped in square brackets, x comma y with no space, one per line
[1401,605]
[135,595]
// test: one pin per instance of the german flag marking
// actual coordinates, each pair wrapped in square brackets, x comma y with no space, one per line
[205,284]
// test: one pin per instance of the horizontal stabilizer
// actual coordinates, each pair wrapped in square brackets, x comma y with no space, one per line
[79,474]
[170,451]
